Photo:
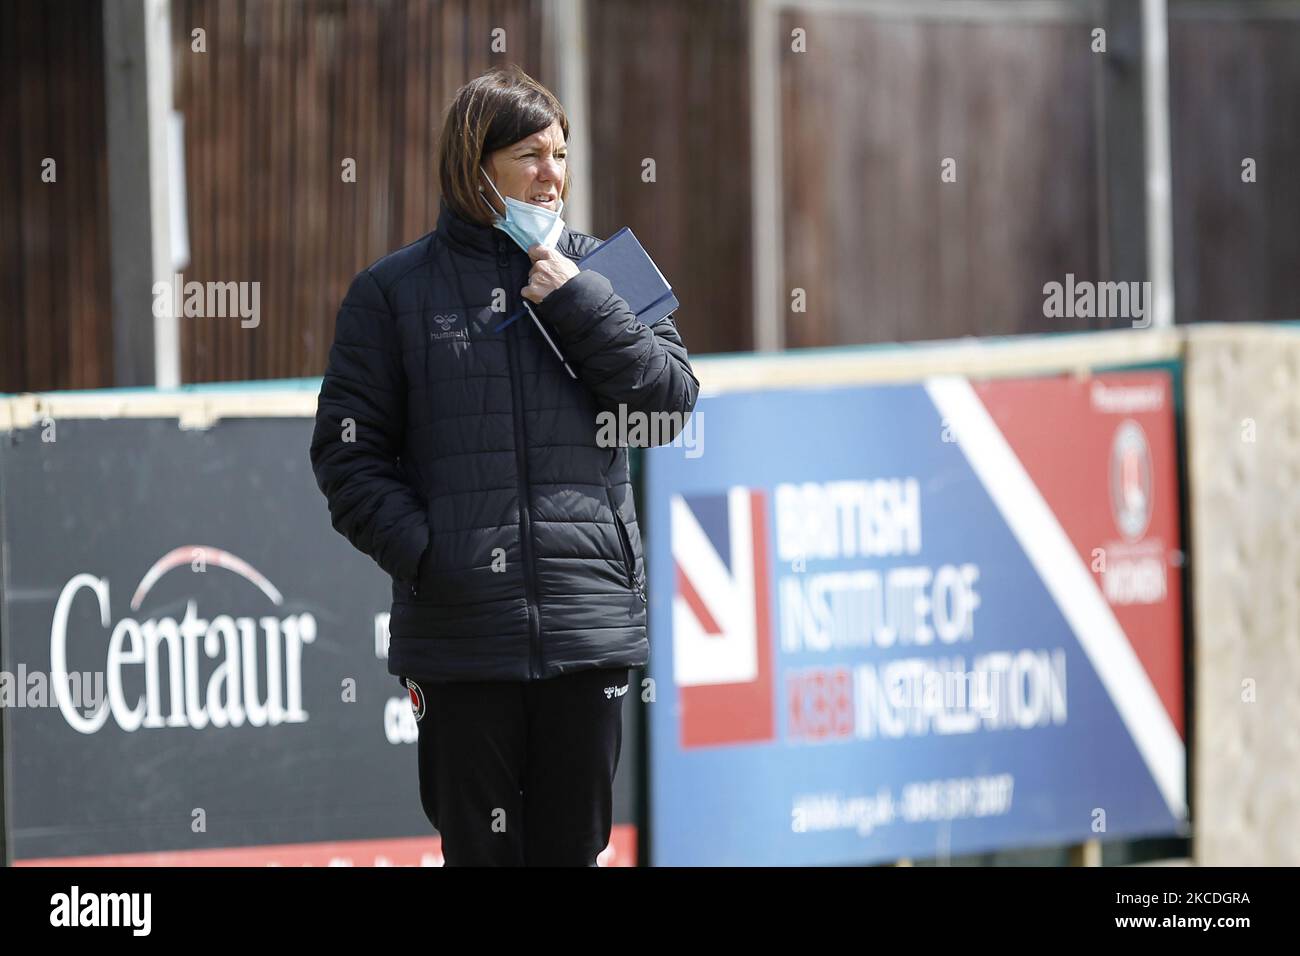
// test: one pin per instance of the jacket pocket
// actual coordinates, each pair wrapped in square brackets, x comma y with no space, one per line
[624,540]
[412,586]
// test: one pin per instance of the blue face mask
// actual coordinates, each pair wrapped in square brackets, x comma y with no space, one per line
[526,224]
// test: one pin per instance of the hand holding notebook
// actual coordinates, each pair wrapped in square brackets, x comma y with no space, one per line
[634,277]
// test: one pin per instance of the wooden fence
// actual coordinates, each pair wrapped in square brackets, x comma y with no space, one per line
[882,249]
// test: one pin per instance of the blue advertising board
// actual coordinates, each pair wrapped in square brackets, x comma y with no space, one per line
[880,627]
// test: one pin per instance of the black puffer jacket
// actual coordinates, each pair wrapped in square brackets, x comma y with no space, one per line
[463,459]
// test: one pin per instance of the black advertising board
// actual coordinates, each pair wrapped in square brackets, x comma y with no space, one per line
[194,660]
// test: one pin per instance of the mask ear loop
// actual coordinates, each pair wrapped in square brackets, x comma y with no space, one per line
[495,190]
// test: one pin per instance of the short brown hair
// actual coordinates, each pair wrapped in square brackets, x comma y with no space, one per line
[490,112]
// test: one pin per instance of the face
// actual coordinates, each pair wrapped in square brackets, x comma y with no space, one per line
[531,170]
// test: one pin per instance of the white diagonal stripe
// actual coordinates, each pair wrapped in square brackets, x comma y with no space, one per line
[1069,582]
[732,656]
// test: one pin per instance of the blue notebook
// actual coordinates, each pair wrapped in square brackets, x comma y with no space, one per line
[634,276]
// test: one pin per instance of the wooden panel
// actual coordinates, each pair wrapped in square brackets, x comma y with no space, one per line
[1234,86]
[669,81]
[56,310]
[885,250]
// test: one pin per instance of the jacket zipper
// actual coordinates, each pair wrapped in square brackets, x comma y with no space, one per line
[521,466]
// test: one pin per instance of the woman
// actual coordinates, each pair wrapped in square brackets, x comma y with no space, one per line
[455,448]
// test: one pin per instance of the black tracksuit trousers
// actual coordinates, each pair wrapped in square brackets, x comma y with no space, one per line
[520,773]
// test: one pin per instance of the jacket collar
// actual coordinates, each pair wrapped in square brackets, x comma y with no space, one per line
[487,241]
[470,236]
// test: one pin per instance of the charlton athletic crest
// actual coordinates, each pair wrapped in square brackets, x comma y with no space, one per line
[1130,480]
[417,698]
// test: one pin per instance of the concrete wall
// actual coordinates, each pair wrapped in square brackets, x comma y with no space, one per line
[1243,435]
